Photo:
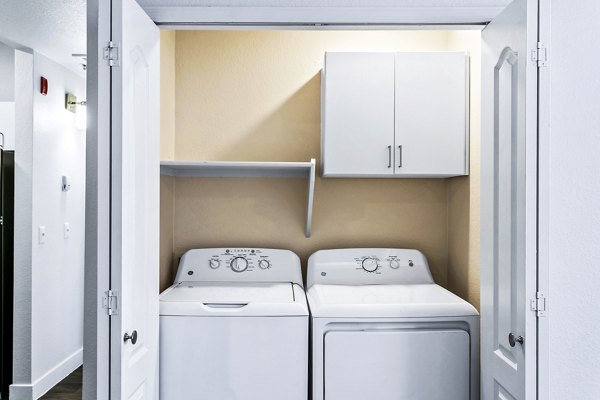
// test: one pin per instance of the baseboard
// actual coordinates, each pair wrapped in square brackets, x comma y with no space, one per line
[38,388]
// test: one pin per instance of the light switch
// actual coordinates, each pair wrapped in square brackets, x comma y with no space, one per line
[42,234]
[67,230]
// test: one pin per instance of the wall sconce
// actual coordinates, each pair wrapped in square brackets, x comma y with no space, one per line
[66,184]
[78,108]
[71,102]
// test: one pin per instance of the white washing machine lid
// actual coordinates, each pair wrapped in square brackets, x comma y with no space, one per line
[386,301]
[241,299]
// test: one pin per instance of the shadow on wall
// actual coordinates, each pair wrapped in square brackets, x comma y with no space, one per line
[292,132]
[459,207]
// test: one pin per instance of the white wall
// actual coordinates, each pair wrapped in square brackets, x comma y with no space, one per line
[52,297]
[7,73]
[23,225]
[7,123]
[570,201]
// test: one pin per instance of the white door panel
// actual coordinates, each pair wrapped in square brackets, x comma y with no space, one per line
[231,358]
[135,202]
[391,365]
[508,208]
[358,114]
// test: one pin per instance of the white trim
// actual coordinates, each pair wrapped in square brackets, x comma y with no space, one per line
[544,110]
[97,268]
[96,322]
[23,225]
[48,380]
[298,16]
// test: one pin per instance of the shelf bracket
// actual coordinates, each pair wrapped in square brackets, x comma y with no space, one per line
[311,195]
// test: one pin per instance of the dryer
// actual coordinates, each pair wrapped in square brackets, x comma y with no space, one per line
[382,329]
[234,326]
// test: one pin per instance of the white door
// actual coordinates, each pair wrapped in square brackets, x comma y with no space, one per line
[135,163]
[358,114]
[432,114]
[508,204]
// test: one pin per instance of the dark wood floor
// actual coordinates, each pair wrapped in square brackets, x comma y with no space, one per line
[69,388]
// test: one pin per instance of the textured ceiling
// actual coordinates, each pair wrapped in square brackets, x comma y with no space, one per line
[55,28]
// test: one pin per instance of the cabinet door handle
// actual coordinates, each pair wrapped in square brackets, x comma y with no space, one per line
[400,156]
[389,156]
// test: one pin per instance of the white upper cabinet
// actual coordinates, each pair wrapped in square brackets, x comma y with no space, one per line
[395,115]
[358,114]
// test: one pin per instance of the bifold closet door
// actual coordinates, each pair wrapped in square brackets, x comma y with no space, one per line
[432,114]
[509,205]
[135,174]
[392,365]
[358,114]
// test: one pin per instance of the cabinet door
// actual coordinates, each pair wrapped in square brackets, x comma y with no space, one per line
[358,114]
[431,114]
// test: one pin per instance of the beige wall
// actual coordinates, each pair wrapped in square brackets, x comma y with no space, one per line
[255,96]
[167,93]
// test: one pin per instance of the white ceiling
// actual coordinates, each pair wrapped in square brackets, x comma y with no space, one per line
[55,28]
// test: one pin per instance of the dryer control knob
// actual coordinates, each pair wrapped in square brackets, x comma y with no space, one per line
[239,264]
[264,264]
[394,264]
[369,264]
[214,264]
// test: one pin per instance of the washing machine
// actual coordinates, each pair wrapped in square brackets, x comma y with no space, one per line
[234,326]
[382,329]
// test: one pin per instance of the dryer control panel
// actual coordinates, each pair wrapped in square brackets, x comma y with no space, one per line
[239,265]
[368,267]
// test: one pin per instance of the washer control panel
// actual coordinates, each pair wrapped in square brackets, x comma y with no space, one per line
[239,264]
[368,266]
[241,260]
[376,265]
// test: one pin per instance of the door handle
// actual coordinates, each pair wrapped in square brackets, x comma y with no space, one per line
[400,156]
[225,305]
[389,156]
[513,340]
[132,337]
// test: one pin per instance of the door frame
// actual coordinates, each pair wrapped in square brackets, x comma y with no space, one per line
[97,343]
[543,206]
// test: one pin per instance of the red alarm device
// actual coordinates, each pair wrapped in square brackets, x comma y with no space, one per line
[43,86]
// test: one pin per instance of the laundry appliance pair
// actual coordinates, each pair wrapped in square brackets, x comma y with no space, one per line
[236,325]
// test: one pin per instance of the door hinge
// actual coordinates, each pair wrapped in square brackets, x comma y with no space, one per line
[540,55]
[538,304]
[110,301]
[111,54]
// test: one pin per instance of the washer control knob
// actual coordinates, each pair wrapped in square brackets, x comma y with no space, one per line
[394,264]
[369,264]
[264,264]
[239,264]
[214,264]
